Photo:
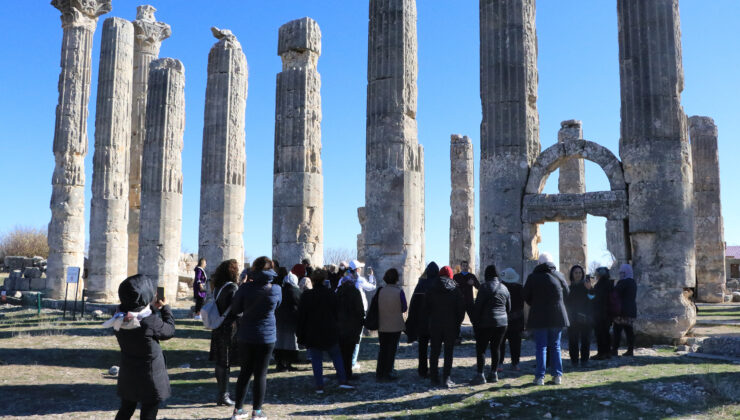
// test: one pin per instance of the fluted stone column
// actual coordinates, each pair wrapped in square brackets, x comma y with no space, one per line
[66,234]
[394,178]
[161,187]
[573,235]
[108,251]
[708,220]
[510,128]
[462,202]
[298,183]
[149,35]
[223,161]
[656,158]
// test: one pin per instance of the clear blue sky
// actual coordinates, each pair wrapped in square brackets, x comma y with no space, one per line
[579,79]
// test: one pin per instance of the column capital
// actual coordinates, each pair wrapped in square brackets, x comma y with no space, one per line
[149,33]
[226,36]
[81,13]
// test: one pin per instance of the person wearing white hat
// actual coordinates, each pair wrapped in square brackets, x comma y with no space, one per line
[354,274]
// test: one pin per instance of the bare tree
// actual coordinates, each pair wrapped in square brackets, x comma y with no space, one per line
[337,255]
[24,241]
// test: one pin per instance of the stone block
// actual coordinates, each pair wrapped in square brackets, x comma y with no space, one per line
[9,283]
[37,283]
[14,262]
[15,274]
[22,284]
[736,296]
[32,273]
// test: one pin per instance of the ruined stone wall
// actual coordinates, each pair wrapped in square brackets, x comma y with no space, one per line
[462,202]
[572,235]
[298,182]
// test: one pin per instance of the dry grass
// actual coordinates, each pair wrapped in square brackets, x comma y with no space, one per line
[24,241]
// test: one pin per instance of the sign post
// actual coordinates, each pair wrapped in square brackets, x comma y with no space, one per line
[73,276]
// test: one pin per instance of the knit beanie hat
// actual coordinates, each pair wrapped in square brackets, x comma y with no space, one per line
[446,271]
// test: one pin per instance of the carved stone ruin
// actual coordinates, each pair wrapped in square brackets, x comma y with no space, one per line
[66,235]
[656,157]
[510,128]
[108,250]
[148,37]
[573,235]
[298,183]
[462,202]
[161,188]
[393,227]
[223,164]
[708,221]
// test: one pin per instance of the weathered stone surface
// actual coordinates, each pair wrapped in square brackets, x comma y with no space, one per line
[298,183]
[510,127]
[9,284]
[22,284]
[13,262]
[66,236]
[540,208]
[708,221]
[108,249]
[148,37]
[572,235]
[36,283]
[462,201]
[657,166]
[161,188]
[223,164]
[393,229]
[32,273]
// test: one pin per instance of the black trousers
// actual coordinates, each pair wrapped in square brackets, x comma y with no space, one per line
[148,410]
[346,348]
[255,359]
[514,337]
[628,331]
[579,342]
[424,355]
[386,353]
[485,337]
[603,340]
[449,346]
[198,304]
[285,358]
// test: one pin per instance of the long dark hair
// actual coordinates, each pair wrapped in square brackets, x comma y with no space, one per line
[227,271]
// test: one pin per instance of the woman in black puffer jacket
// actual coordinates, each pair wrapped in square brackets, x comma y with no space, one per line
[490,318]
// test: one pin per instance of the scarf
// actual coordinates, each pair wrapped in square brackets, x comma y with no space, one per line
[291,279]
[118,320]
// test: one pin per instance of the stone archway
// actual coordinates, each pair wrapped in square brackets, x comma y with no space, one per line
[539,208]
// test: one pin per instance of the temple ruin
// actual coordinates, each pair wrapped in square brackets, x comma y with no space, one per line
[572,180]
[462,201]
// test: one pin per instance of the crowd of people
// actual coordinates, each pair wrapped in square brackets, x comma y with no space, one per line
[266,312]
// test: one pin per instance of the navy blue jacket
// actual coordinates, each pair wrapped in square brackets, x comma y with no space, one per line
[257,301]
[544,292]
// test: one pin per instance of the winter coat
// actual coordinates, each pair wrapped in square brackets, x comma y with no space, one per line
[199,283]
[516,314]
[317,318]
[579,305]
[600,302]
[492,305]
[445,308]
[462,280]
[143,370]
[626,289]
[224,301]
[417,324]
[287,312]
[350,312]
[544,292]
[256,301]
[391,307]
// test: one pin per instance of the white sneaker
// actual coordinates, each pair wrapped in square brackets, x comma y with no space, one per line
[197,318]
[346,386]
[557,380]
[240,414]
[258,415]
[539,381]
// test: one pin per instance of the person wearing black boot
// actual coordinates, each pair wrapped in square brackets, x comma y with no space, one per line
[286,320]
[601,293]
[626,289]
[490,320]
[579,309]
[445,311]
[223,339]
[417,323]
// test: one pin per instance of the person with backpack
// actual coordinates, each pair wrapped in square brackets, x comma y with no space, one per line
[602,305]
[626,292]
[199,287]
[515,320]
[417,323]
[490,319]
[224,347]
[256,301]
[580,315]
[545,292]
[286,317]
[445,311]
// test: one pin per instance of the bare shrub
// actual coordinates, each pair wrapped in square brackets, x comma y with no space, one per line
[337,255]
[24,241]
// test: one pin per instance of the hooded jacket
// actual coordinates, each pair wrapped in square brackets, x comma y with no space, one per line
[626,289]
[317,318]
[445,308]
[577,302]
[545,293]
[492,304]
[600,303]
[416,323]
[257,301]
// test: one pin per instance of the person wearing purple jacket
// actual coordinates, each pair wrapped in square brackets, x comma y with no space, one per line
[199,287]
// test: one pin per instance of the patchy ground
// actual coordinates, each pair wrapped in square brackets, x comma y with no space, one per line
[55,369]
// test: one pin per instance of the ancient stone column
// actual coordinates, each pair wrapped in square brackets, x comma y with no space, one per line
[161,187]
[394,178]
[708,221]
[223,162]
[108,251]
[149,35]
[656,158]
[510,128]
[573,235]
[298,183]
[66,235]
[462,202]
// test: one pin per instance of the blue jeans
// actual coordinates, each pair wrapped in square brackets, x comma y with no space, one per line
[547,341]
[317,363]
[356,353]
